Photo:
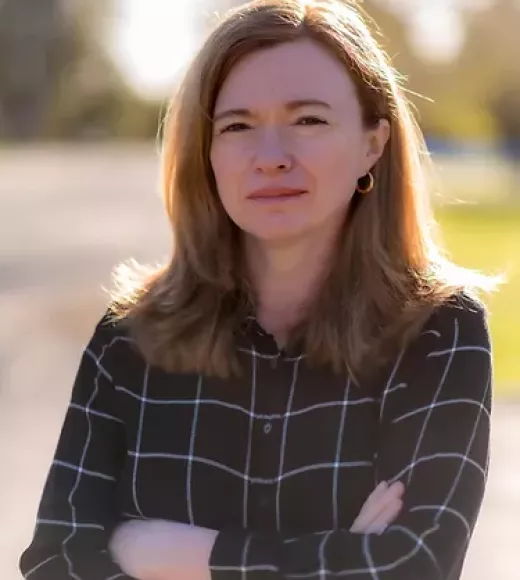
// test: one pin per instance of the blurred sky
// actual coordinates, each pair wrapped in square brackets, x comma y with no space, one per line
[154,39]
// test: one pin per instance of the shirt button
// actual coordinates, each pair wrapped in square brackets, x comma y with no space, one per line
[267,428]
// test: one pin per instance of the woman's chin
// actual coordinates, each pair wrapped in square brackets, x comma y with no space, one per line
[277,235]
[276,228]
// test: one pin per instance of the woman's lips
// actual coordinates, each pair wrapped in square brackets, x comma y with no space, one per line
[272,195]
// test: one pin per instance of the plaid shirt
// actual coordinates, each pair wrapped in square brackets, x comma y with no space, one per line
[279,461]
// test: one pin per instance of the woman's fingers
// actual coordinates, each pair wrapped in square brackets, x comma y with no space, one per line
[379,498]
[384,518]
[362,518]
[378,493]
[375,497]
[382,501]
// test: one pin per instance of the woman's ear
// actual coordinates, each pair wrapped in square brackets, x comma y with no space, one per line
[376,139]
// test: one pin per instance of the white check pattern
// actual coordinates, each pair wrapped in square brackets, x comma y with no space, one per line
[279,461]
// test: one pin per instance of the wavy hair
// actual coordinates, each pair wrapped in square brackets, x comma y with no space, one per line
[388,274]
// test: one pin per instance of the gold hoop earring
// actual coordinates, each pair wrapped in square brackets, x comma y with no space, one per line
[370,185]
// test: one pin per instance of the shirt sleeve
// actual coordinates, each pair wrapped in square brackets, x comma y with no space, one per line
[434,437]
[78,507]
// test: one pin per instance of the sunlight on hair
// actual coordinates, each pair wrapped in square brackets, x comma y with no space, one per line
[128,280]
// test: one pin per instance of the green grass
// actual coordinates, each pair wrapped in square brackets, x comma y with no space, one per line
[487,238]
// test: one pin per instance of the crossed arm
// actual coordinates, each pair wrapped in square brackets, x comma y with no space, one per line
[163,550]
[434,439]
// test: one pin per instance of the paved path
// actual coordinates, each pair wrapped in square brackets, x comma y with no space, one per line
[66,216]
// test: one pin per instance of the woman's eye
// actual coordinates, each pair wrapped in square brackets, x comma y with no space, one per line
[234,128]
[305,121]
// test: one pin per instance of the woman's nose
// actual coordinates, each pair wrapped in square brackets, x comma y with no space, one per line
[272,155]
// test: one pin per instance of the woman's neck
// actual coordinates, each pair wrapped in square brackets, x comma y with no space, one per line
[286,278]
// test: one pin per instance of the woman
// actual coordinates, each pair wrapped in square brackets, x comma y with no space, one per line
[304,390]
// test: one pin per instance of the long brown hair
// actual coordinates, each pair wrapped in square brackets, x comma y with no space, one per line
[389,274]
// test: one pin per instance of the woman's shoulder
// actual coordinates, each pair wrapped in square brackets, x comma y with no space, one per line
[462,318]
[116,353]
[451,353]
[455,329]
[110,327]
[456,334]
[111,339]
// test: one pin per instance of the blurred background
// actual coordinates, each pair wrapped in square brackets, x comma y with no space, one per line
[83,85]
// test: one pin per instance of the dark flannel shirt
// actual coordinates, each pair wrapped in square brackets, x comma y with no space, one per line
[279,461]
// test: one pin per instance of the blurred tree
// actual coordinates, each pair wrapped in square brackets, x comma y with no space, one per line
[34,50]
[489,67]
[444,106]
[56,78]
[91,99]
[506,107]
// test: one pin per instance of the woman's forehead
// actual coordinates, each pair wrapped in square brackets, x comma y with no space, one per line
[285,73]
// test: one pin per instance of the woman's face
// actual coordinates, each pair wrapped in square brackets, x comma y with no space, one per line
[288,142]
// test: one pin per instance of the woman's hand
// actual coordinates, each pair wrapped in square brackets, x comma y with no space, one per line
[380,509]
[162,550]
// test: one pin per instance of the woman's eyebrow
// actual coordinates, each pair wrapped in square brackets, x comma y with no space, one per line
[290,106]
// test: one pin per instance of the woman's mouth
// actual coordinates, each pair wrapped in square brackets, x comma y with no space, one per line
[276,194]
